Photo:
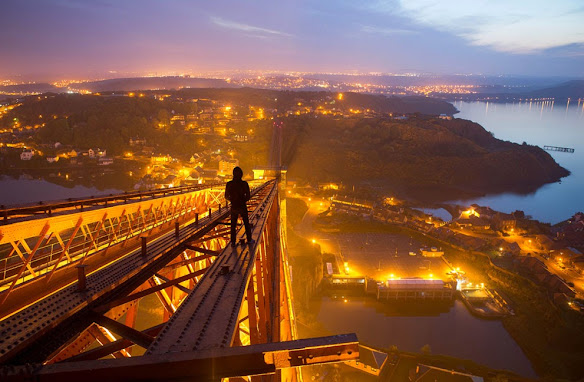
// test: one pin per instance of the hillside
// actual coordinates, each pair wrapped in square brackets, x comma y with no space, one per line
[285,99]
[571,89]
[149,83]
[30,88]
[422,158]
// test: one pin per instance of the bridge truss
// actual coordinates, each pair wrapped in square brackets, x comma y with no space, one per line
[73,282]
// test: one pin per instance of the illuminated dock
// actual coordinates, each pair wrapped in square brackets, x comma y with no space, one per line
[484,303]
[416,289]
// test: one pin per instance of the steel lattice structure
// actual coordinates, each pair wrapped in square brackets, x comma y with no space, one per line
[73,282]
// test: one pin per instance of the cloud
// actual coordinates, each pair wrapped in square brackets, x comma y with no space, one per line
[249,30]
[572,50]
[518,26]
[386,31]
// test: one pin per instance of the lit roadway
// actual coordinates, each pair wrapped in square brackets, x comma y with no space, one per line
[569,275]
[315,207]
[304,228]
[526,245]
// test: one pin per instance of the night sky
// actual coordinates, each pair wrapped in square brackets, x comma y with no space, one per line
[75,38]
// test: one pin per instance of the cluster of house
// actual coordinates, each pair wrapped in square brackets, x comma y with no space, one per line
[484,218]
[212,117]
[351,205]
[74,155]
[537,270]
[139,146]
[205,167]
[329,108]
[201,175]
[568,257]
[572,231]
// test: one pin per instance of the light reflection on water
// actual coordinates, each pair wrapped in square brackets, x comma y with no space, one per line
[537,123]
[25,191]
[448,328]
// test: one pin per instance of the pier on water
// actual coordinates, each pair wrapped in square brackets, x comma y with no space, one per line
[556,148]
[416,289]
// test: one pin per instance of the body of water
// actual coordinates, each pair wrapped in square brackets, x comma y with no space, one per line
[25,191]
[437,212]
[448,329]
[541,124]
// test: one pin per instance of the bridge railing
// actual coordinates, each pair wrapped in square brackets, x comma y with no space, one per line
[80,204]
[38,246]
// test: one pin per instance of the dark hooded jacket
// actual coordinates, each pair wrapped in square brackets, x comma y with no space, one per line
[237,190]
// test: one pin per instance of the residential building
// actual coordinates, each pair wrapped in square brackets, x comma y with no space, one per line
[565,255]
[240,138]
[26,155]
[96,153]
[105,161]
[226,166]
[137,141]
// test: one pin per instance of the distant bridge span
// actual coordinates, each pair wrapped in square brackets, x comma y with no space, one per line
[72,275]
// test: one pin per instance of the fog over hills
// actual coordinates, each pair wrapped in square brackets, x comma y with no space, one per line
[572,89]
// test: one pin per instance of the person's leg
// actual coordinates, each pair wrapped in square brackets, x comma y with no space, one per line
[234,216]
[246,224]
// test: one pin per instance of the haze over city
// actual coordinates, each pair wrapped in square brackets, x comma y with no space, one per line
[53,39]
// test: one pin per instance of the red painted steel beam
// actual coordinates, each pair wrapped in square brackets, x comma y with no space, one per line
[203,250]
[212,364]
[112,347]
[151,290]
[122,330]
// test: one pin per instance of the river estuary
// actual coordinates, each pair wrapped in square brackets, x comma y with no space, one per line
[541,124]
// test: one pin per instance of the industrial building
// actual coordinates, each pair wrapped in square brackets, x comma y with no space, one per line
[416,289]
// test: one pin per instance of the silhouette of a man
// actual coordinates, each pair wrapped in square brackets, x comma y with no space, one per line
[237,192]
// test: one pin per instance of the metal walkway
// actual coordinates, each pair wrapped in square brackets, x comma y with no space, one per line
[227,310]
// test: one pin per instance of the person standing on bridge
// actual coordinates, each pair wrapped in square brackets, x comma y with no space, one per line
[237,192]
